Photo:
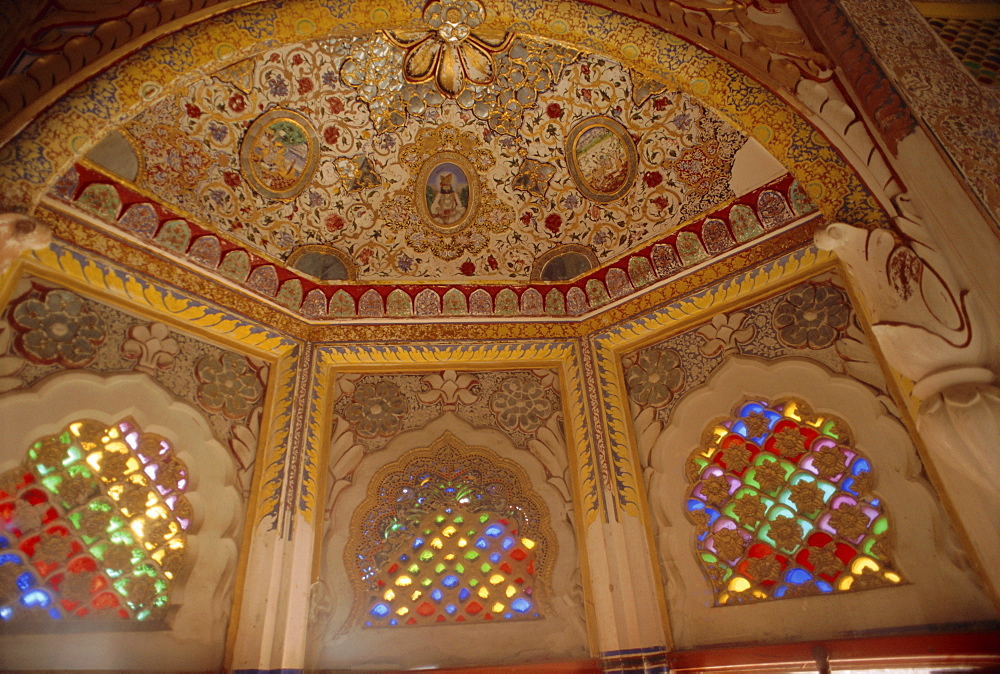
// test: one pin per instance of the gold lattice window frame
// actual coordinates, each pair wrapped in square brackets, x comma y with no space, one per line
[784,506]
[405,500]
[93,530]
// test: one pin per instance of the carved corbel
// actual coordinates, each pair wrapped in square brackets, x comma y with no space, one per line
[18,233]
[932,331]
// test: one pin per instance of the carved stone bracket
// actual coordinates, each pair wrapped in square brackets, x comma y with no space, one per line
[932,331]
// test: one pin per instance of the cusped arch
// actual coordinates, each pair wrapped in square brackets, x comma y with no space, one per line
[201,596]
[939,587]
[450,533]
[784,506]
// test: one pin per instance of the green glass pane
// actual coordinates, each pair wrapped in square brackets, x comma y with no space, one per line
[460,568]
[439,519]
[459,520]
[483,518]
[439,568]
[414,568]
[881,525]
[426,556]
[485,568]
[471,555]
[426,581]
[473,582]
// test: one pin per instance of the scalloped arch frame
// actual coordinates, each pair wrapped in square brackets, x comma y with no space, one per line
[196,640]
[942,587]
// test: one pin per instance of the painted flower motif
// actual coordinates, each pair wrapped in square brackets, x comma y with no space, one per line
[736,457]
[786,532]
[757,424]
[764,568]
[451,53]
[652,179]
[715,489]
[305,85]
[228,385]
[655,378]
[770,476]
[231,178]
[553,222]
[376,409]
[333,223]
[729,544]
[807,497]
[520,404]
[554,111]
[789,442]
[192,110]
[825,560]
[749,509]
[60,328]
[829,461]
[336,105]
[237,103]
[849,521]
[811,316]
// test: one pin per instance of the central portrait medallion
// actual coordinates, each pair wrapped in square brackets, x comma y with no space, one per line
[447,192]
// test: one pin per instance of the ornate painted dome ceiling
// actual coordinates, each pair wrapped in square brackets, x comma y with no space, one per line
[454,167]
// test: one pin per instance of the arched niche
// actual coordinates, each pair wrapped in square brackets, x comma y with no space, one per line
[942,588]
[196,634]
[340,640]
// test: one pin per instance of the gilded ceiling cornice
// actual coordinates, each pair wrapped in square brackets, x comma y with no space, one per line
[54,47]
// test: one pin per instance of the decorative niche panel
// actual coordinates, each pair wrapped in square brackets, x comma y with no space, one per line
[766,534]
[105,518]
[447,526]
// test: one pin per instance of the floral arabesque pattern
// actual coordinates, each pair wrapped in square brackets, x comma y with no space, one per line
[811,316]
[520,404]
[228,384]
[376,409]
[655,378]
[58,328]
[784,507]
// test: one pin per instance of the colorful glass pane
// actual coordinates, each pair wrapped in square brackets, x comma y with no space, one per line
[92,526]
[458,540]
[784,507]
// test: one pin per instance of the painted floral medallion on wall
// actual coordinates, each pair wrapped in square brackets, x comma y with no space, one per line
[448,192]
[601,158]
[279,154]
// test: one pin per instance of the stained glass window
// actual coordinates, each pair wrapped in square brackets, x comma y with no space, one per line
[784,507]
[450,534]
[92,526]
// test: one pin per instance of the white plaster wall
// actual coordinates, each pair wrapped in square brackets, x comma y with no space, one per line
[561,634]
[942,588]
[203,595]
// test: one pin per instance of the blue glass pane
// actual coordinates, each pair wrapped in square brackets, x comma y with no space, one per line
[463,594]
[417,543]
[508,543]
[24,581]
[780,592]
[9,558]
[860,466]
[694,504]
[380,610]
[797,576]
[451,580]
[4,543]
[35,598]
[824,586]
[450,608]
[875,502]
[521,605]
[393,622]
[494,530]
[508,616]
[6,612]
[495,558]
[482,544]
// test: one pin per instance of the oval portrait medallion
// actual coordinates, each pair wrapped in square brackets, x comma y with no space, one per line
[279,154]
[601,158]
[447,192]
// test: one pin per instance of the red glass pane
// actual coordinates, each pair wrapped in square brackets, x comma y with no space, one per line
[518,554]
[473,607]
[425,609]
